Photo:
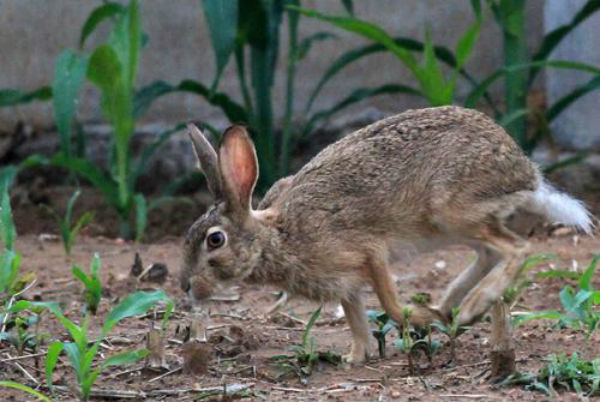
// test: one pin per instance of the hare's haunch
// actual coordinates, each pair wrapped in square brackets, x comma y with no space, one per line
[426,177]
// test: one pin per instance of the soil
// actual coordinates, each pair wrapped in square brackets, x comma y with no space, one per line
[243,337]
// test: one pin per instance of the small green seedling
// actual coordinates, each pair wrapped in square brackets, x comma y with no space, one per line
[22,336]
[410,341]
[82,352]
[452,331]
[305,356]
[578,304]
[68,230]
[384,325]
[569,373]
[93,287]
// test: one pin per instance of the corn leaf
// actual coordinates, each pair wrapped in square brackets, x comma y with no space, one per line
[12,97]
[134,304]
[120,359]
[147,95]
[101,13]
[475,95]
[222,17]
[51,360]
[553,38]
[356,96]
[69,73]
[560,105]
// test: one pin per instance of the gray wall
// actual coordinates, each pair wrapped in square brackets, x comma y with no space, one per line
[33,32]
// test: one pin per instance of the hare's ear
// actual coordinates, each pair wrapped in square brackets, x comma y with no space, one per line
[207,160]
[239,168]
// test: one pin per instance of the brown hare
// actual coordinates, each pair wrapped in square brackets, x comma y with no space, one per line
[428,177]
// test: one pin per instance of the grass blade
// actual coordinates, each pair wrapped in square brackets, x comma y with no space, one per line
[24,388]
[311,322]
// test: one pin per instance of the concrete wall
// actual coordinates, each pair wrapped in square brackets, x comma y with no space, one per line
[34,32]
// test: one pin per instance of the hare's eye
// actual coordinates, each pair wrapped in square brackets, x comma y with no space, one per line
[215,239]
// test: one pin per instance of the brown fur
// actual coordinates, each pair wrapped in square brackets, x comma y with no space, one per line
[431,176]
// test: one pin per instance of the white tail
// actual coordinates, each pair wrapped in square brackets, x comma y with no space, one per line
[559,207]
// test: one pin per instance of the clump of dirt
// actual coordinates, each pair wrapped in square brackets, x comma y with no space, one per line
[234,341]
[196,358]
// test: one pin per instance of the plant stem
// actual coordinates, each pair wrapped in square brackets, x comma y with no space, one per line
[240,61]
[260,63]
[515,53]
[284,161]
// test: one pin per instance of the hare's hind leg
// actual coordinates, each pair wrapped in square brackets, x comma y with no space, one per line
[491,288]
[486,259]
[488,293]
[354,310]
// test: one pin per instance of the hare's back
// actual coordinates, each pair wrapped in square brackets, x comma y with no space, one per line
[412,159]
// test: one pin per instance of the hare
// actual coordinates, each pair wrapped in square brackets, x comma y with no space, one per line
[428,177]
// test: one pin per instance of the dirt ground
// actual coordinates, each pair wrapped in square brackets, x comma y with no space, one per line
[243,336]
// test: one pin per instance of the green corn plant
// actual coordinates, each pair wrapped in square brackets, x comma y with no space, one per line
[434,85]
[82,352]
[93,287]
[249,32]
[68,230]
[26,389]
[112,67]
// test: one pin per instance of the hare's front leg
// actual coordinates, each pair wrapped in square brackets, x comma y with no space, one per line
[354,310]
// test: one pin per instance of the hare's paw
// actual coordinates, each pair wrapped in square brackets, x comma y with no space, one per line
[359,354]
